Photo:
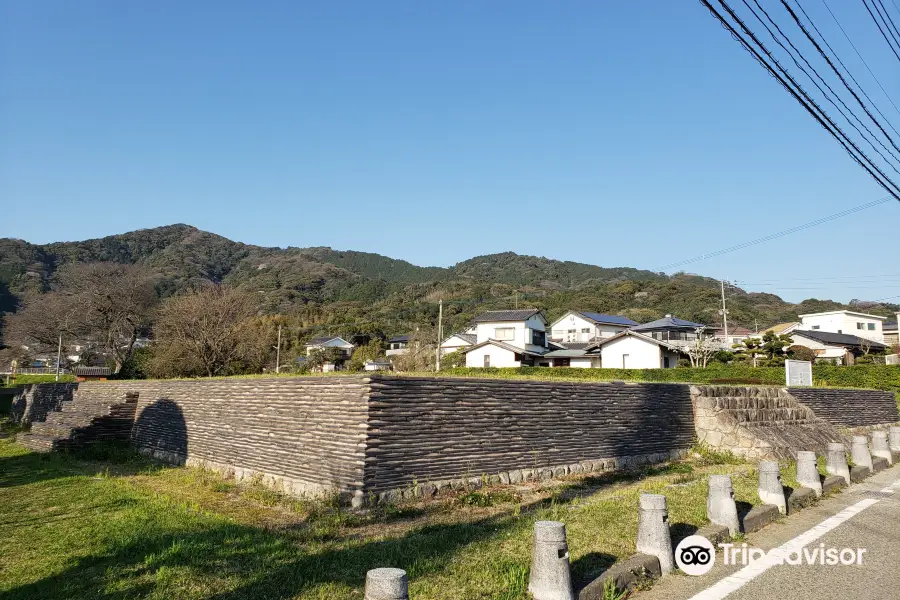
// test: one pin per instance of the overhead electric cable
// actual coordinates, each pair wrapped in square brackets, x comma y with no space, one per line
[886,39]
[779,234]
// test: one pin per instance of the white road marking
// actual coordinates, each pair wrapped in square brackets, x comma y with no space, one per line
[741,578]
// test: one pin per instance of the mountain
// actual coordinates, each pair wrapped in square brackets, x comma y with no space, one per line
[346,291]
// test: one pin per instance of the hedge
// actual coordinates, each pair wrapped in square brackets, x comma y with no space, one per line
[882,377]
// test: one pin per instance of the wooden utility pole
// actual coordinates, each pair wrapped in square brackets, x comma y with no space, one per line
[58,356]
[440,332]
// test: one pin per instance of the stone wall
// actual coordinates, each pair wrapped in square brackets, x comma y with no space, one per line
[850,408]
[299,435]
[440,431]
[758,422]
[32,402]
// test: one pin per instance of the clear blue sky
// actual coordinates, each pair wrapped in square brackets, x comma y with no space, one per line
[612,133]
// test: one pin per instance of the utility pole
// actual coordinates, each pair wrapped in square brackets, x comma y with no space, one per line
[58,356]
[517,300]
[437,362]
[278,352]
[724,313]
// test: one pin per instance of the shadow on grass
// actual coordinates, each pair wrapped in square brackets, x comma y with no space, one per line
[33,467]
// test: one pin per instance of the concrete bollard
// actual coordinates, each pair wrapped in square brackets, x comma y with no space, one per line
[770,489]
[653,536]
[836,461]
[895,439]
[808,471]
[387,584]
[859,452]
[880,446]
[550,575]
[720,506]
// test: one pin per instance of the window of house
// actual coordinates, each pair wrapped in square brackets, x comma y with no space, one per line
[860,325]
[538,338]
[571,331]
[586,330]
[815,326]
[487,360]
[504,333]
[624,361]
[871,326]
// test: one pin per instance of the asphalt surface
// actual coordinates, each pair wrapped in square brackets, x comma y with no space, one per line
[875,528]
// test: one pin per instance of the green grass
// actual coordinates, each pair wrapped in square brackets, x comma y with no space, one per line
[110,524]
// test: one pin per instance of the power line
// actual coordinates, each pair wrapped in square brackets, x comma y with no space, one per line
[825,83]
[779,234]
[796,90]
[835,69]
[888,20]
[841,27]
[886,39]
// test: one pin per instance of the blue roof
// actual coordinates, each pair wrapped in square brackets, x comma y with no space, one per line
[668,323]
[611,319]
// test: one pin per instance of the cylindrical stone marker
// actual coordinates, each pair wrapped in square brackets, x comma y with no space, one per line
[720,506]
[880,446]
[653,536]
[895,439]
[836,461]
[808,471]
[770,489]
[550,575]
[387,584]
[859,452]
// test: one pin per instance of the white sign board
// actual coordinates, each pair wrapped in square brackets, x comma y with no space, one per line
[799,373]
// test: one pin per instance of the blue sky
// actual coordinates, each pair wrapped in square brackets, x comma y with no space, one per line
[612,133]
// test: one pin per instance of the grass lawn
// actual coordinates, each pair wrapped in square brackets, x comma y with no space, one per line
[116,526]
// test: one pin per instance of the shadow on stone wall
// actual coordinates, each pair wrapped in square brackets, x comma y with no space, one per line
[32,402]
[160,430]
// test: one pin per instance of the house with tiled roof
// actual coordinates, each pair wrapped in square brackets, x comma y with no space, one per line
[509,338]
[585,326]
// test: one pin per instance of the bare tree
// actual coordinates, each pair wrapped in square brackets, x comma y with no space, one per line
[112,304]
[420,355]
[204,332]
[702,349]
[39,325]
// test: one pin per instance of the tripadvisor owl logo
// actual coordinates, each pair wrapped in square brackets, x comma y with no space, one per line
[695,555]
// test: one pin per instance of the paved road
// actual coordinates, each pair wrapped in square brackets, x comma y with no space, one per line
[865,516]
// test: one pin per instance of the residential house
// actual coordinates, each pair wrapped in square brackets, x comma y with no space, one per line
[779,329]
[508,338]
[458,341]
[670,329]
[570,354]
[399,344]
[632,349]
[320,343]
[845,322]
[584,326]
[842,348]
[891,333]
[736,335]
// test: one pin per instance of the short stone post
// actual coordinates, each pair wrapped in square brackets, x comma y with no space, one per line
[880,446]
[653,536]
[720,506]
[770,489]
[836,461]
[387,584]
[895,439]
[808,471]
[859,452]
[550,575]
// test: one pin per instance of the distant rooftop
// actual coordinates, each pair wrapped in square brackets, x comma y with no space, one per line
[837,339]
[493,316]
[609,319]
[668,322]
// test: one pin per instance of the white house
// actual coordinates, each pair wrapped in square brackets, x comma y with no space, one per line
[584,326]
[846,322]
[508,338]
[839,347]
[457,341]
[320,343]
[891,332]
[399,344]
[633,350]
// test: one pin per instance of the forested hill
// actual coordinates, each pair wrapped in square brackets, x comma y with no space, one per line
[340,291]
